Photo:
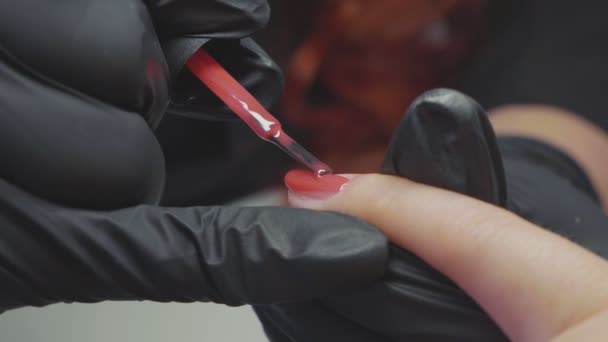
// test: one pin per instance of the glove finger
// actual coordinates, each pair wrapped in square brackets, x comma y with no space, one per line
[210,18]
[73,45]
[445,140]
[72,149]
[277,255]
[234,255]
[51,254]
[245,60]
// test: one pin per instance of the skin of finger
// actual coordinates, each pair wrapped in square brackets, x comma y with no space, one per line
[533,283]
[592,329]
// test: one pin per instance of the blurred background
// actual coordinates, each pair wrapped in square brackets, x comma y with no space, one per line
[352,67]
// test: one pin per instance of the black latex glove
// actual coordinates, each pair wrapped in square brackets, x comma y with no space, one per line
[51,254]
[223,27]
[77,78]
[445,140]
[80,84]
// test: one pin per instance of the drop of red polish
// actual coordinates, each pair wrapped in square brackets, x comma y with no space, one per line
[304,181]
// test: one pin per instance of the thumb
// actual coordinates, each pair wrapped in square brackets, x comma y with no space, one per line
[533,283]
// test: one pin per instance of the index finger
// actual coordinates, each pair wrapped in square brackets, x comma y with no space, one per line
[532,282]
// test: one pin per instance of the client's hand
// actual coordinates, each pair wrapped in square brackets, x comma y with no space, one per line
[504,275]
[535,284]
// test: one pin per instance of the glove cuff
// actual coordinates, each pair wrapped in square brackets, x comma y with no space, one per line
[541,154]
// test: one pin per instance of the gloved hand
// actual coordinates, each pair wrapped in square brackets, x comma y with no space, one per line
[51,254]
[76,78]
[82,82]
[445,140]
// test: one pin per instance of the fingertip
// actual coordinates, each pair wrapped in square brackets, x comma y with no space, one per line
[304,184]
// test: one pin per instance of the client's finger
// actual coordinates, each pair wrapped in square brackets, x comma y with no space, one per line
[533,283]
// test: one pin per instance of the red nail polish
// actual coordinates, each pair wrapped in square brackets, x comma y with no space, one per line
[308,184]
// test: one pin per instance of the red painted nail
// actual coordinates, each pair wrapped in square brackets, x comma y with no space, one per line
[307,184]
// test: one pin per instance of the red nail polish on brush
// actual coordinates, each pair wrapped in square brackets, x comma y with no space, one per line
[319,182]
[237,98]
[307,184]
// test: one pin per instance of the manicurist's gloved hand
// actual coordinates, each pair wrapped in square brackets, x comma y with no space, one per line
[51,254]
[446,141]
[81,171]
[82,82]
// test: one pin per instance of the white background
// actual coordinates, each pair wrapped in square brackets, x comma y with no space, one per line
[132,322]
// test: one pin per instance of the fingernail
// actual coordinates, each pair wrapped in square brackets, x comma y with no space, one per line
[307,185]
